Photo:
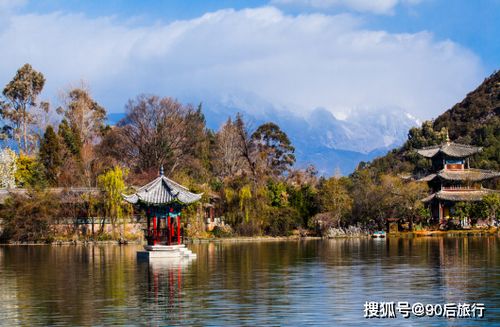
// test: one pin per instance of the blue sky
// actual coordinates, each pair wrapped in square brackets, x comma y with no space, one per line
[421,56]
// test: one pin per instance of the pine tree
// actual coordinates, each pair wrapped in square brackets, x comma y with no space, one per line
[71,139]
[50,155]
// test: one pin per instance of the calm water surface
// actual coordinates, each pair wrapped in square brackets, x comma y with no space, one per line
[267,283]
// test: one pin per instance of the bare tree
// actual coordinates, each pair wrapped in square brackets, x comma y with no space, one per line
[229,155]
[157,131]
[84,115]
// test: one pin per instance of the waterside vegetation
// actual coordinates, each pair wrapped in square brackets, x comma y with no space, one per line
[248,173]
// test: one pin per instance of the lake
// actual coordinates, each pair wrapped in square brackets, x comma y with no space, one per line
[309,282]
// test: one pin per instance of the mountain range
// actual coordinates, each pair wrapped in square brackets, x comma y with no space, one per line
[332,145]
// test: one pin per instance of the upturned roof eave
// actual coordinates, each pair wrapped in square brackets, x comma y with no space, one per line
[163,191]
[460,196]
[447,149]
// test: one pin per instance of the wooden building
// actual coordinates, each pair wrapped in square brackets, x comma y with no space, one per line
[162,200]
[453,179]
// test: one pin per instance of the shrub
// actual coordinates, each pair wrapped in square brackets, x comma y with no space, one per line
[282,221]
[29,218]
[248,229]
[222,231]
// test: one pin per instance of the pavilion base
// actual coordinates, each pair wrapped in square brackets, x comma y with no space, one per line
[165,251]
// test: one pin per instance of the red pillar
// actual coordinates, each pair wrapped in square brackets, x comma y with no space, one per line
[179,230]
[169,231]
[154,230]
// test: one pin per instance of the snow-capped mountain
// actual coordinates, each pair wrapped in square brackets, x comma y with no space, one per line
[319,137]
[331,144]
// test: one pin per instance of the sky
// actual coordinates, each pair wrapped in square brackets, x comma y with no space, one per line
[420,56]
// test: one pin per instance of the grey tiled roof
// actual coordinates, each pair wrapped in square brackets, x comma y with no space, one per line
[162,191]
[473,175]
[451,149]
[465,195]
[427,178]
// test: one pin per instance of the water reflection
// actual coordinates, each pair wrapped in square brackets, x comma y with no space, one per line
[164,288]
[277,283]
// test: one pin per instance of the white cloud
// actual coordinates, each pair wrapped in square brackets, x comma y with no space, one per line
[371,6]
[299,62]
[9,5]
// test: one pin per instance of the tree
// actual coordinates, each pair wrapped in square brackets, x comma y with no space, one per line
[50,155]
[426,136]
[247,146]
[492,204]
[229,159]
[245,196]
[29,172]
[275,150]
[335,203]
[401,198]
[112,185]
[81,129]
[71,139]
[84,115]
[158,131]
[29,218]
[21,94]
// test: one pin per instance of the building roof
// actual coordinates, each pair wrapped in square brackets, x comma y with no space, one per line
[162,191]
[450,149]
[460,195]
[473,175]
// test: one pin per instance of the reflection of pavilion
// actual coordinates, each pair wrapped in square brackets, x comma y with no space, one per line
[163,199]
[165,286]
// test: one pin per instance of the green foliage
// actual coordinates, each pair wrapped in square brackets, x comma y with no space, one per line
[476,210]
[112,185]
[492,205]
[281,221]
[245,196]
[425,136]
[222,231]
[275,149]
[304,199]
[378,197]
[70,138]
[30,172]
[277,193]
[50,155]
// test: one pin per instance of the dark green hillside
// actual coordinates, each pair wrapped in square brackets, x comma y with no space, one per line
[475,120]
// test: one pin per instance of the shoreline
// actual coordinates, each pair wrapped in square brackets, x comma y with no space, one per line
[242,239]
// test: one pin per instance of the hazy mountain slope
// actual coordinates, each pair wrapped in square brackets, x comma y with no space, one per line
[475,120]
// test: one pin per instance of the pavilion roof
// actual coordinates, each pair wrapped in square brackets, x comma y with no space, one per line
[450,149]
[162,191]
[473,175]
[460,195]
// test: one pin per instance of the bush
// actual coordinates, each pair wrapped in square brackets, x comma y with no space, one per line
[29,218]
[222,231]
[248,229]
[282,221]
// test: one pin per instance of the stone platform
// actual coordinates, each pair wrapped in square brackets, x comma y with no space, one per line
[165,251]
